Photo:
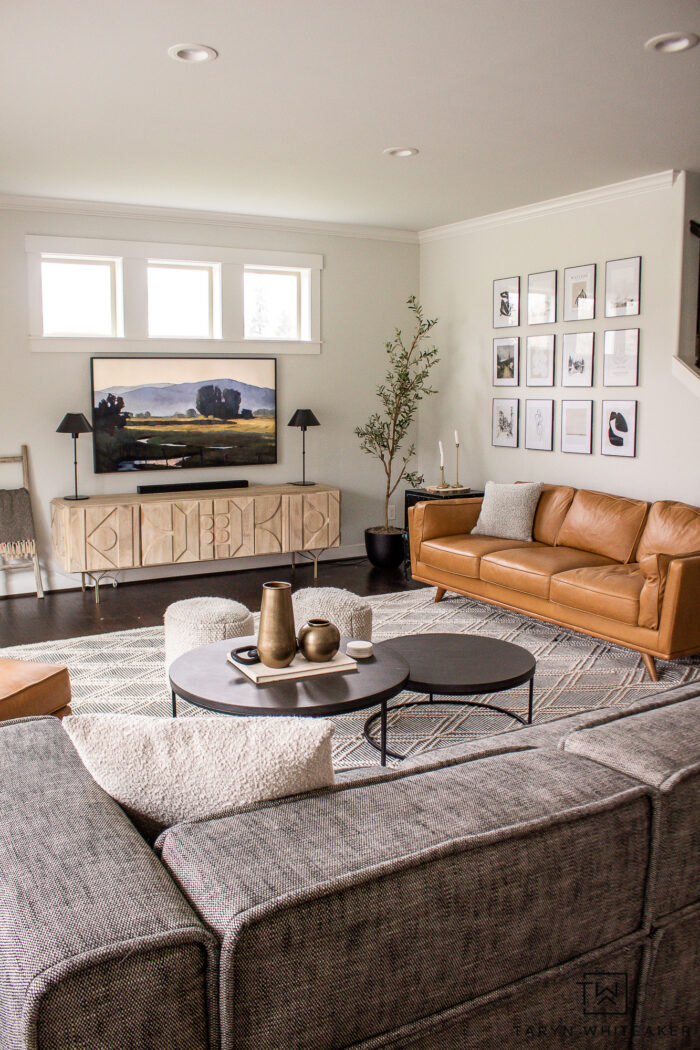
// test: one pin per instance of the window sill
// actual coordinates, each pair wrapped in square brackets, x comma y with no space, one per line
[191,347]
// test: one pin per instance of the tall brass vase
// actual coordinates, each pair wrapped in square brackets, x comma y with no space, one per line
[277,643]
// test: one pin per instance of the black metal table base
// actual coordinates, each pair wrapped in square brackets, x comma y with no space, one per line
[381,746]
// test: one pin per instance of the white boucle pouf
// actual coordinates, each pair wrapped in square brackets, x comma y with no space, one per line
[346,610]
[199,621]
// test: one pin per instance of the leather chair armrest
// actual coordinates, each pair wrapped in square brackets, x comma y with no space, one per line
[445,517]
[679,626]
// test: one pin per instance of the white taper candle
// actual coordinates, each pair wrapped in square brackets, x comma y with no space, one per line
[442,458]
[456,438]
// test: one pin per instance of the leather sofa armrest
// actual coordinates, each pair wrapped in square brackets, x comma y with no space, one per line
[679,623]
[446,517]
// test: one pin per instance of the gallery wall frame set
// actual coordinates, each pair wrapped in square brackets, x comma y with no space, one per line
[542,297]
[618,429]
[539,424]
[539,360]
[506,361]
[506,302]
[577,426]
[621,357]
[505,419]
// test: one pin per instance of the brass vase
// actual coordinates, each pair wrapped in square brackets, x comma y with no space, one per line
[319,640]
[277,643]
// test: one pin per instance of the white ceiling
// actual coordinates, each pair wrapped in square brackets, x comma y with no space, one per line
[509,103]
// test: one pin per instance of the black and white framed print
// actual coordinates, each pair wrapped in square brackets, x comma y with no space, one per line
[506,361]
[542,297]
[539,360]
[579,293]
[619,428]
[539,425]
[622,286]
[506,302]
[621,364]
[505,422]
[577,359]
[577,427]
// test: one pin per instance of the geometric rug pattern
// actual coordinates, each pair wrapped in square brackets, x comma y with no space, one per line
[124,672]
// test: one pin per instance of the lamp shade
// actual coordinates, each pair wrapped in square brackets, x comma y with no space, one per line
[303,417]
[74,423]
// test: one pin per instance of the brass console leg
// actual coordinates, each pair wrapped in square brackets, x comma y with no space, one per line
[97,590]
[650,665]
[294,559]
[439,594]
[316,556]
[82,581]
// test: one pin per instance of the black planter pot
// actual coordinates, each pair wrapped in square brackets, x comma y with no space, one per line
[384,549]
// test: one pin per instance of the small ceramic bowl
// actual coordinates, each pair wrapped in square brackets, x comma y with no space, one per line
[359,650]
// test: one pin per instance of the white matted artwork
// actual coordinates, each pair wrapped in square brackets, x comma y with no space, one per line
[618,428]
[505,422]
[577,427]
[539,425]
[506,302]
[542,297]
[579,293]
[539,360]
[622,286]
[577,359]
[621,364]
[506,361]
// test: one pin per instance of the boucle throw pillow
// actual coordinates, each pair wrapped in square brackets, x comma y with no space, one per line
[165,770]
[508,511]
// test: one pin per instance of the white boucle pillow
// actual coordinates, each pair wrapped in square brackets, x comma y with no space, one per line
[508,511]
[165,770]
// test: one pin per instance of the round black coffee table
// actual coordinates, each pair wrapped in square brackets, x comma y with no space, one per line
[205,677]
[459,665]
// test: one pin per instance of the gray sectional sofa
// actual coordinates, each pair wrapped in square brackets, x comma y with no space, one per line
[535,889]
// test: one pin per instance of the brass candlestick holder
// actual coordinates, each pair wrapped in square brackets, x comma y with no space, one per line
[443,484]
[456,484]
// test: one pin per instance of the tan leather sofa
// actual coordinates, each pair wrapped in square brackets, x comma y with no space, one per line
[29,688]
[619,569]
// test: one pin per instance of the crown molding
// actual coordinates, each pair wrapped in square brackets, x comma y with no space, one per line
[662,180]
[107,210]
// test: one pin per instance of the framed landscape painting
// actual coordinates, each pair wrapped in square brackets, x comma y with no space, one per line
[577,427]
[505,422]
[622,286]
[539,360]
[618,435]
[506,302]
[506,361]
[542,297]
[539,425]
[579,293]
[163,413]
[577,359]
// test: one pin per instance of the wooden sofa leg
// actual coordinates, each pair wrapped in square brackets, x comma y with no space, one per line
[650,665]
[439,594]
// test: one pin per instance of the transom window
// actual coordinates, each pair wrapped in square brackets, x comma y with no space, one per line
[80,296]
[184,300]
[272,302]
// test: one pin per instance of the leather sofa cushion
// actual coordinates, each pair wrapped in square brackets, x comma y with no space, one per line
[604,524]
[671,528]
[462,554]
[608,590]
[532,570]
[551,511]
[661,748]
[28,688]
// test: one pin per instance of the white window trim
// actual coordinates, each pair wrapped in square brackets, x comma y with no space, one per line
[135,256]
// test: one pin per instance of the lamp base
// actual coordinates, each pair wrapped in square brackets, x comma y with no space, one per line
[74,498]
[304,483]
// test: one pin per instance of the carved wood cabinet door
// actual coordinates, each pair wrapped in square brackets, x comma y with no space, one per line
[170,532]
[226,528]
[314,520]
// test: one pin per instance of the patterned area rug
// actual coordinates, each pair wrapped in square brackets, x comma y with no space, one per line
[123,672]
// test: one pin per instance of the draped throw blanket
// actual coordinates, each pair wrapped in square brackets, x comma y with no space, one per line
[17,539]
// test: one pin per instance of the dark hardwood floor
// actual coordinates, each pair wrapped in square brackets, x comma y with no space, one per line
[69,614]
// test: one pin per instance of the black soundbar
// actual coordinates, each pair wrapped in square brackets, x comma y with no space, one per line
[192,486]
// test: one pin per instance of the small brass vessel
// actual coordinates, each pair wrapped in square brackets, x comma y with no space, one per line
[319,640]
[277,644]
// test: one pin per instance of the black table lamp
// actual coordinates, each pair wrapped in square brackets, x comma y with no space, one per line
[74,423]
[303,418]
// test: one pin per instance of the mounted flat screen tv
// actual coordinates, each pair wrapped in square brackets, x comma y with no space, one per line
[164,413]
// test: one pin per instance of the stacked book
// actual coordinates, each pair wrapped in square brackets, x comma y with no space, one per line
[300,667]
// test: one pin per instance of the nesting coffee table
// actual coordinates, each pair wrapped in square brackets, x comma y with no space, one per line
[459,665]
[204,677]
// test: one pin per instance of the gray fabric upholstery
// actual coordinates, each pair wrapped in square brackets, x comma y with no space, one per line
[436,878]
[660,747]
[508,511]
[668,1015]
[96,938]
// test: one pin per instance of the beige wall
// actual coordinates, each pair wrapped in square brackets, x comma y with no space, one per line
[365,284]
[456,285]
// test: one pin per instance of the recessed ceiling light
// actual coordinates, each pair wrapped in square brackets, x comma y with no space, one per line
[670,43]
[401,151]
[192,53]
